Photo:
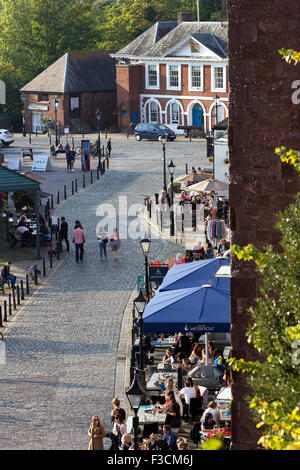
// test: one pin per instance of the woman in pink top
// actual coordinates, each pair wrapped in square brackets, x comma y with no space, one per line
[79,237]
[115,243]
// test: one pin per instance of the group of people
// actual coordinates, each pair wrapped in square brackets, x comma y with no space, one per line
[79,238]
[200,252]
[22,231]
[121,439]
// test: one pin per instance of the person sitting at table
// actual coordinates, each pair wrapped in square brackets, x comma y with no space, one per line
[198,249]
[183,344]
[187,393]
[219,360]
[170,437]
[157,443]
[185,363]
[214,410]
[208,424]
[196,354]
[169,357]
[183,445]
[44,232]
[211,349]
[119,428]
[23,234]
[117,410]
[178,401]
[172,410]
[125,442]
[188,256]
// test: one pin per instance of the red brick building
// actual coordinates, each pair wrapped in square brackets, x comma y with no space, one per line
[171,74]
[82,82]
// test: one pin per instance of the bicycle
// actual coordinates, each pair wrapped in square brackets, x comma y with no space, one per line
[33,272]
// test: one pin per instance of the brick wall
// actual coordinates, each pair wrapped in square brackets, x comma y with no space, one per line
[129,87]
[262,117]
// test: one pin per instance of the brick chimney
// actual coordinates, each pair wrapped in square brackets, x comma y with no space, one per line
[184,17]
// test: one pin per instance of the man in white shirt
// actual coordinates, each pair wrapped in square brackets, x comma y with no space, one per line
[187,393]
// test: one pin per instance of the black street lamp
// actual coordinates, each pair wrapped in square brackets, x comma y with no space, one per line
[164,141]
[98,116]
[140,304]
[145,244]
[216,98]
[56,106]
[171,168]
[135,395]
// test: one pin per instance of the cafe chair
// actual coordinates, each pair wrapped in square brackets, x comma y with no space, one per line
[195,407]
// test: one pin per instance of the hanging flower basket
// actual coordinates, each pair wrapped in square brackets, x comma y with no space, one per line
[226,161]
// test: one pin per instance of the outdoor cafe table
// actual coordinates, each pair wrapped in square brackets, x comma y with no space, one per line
[165,343]
[146,417]
[158,376]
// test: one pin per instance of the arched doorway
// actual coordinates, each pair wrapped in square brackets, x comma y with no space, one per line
[197,115]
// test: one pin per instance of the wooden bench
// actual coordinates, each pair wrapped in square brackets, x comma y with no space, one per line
[26,152]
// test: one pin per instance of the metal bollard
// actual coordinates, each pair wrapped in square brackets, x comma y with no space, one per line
[1,324]
[98,176]
[27,284]
[50,259]
[18,295]
[9,304]
[186,168]
[91,176]
[22,290]
[5,310]
[44,267]
[106,133]
[107,162]
[65,192]
[14,298]
[57,197]
[83,181]
[29,138]
[57,252]
[76,186]
[72,188]
[35,276]
[51,201]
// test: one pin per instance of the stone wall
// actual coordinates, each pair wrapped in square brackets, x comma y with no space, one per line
[262,117]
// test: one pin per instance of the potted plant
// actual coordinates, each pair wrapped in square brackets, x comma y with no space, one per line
[217,440]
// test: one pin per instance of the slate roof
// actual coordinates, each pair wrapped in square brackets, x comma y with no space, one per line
[147,39]
[87,71]
[212,34]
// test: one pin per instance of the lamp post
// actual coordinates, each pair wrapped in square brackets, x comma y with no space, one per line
[217,101]
[56,106]
[135,395]
[164,141]
[140,304]
[145,245]
[171,168]
[98,116]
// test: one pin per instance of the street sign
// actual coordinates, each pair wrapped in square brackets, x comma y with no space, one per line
[55,103]
[41,163]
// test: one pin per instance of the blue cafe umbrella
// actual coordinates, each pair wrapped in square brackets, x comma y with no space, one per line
[204,309]
[195,274]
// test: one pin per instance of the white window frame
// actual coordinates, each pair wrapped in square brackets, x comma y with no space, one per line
[152,87]
[157,112]
[191,88]
[213,88]
[171,113]
[169,87]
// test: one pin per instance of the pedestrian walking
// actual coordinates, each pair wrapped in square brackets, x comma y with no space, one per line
[103,240]
[108,147]
[79,237]
[69,161]
[96,434]
[72,156]
[63,233]
[115,244]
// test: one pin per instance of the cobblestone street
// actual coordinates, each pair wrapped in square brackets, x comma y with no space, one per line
[62,349]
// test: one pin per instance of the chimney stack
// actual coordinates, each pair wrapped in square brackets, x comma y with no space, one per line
[184,17]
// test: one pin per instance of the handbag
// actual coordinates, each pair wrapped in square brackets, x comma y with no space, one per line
[105,240]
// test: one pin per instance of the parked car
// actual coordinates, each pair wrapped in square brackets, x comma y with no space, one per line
[6,138]
[153,132]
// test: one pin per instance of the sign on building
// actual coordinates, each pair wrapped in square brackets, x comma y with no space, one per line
[41,163]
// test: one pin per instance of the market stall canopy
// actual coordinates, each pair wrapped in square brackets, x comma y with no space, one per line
[191,178]
[204,309]
[182,276]
[11,181]
[31,176]
[209,185]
